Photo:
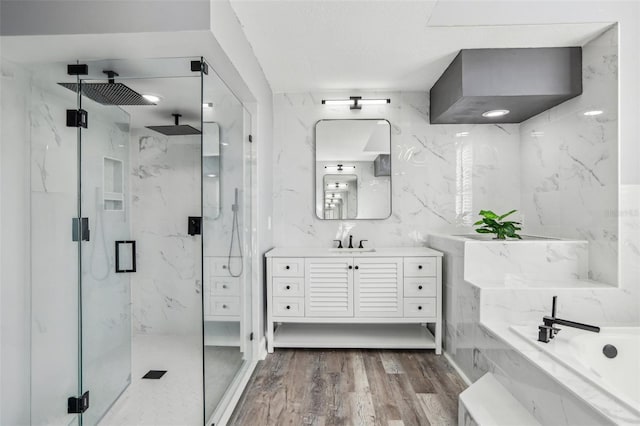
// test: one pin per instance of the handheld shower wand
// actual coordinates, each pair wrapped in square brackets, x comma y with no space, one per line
[235,230]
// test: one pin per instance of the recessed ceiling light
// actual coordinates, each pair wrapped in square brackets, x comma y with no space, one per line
[495,113]
[594,112]
[151,98]
[462,134]
[207,105]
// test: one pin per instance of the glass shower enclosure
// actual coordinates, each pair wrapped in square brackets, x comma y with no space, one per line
[141,240]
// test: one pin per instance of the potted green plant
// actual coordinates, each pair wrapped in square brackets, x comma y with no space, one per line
[492,223]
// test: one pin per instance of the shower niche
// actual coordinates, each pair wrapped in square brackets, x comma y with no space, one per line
[113,184]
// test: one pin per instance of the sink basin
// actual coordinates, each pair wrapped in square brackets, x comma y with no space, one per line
[352,250]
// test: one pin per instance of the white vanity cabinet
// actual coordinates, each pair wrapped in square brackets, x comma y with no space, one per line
[382,299]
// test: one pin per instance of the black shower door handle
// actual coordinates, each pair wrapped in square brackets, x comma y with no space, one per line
[130,263]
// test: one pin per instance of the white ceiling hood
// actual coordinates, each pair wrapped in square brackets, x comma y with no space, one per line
[395,45]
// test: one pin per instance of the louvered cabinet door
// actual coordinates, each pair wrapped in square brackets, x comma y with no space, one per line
[378,287]
[329,287]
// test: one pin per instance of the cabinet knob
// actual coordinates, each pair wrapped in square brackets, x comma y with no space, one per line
[357,267]
[419,287]
[224,306]
[350,267]
[224,286]
[287,267]
[419,266]
[288,307]
[224,266]
[419,308]
[288,287]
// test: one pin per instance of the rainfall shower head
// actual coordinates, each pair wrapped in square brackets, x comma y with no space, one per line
[110,93]
[177,129]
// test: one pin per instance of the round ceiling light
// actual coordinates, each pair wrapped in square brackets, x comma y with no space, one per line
[495,113]
[151,98]
[594,112]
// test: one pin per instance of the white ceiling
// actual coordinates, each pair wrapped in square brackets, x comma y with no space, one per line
[396,45]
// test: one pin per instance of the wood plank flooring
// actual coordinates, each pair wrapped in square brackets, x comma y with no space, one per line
[350,387]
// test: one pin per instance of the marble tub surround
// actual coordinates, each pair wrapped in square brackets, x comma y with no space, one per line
[569,163]
[479,312]
[537,259]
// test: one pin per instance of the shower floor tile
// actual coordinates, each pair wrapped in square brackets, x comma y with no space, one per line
[176,399]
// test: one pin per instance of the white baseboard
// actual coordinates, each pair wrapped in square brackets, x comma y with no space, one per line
[228,403]
[262,349]
[457,368]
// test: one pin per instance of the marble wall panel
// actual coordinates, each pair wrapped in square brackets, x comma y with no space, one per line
[165,182]
[442,175]
[569,174]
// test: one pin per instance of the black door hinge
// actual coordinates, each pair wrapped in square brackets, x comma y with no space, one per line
[197,66]
[250,138]
[77,69]
[251,336]
[77,118]
[80,229]
[78,405]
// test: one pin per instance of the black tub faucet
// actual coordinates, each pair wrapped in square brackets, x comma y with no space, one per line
[339,243]
[547,331]
[350,241]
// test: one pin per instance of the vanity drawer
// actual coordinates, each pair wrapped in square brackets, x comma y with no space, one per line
[224,306]
[288,287]
[288,307]
[420,287]
[288,267]
[419,266]
[224,286]
[420,307]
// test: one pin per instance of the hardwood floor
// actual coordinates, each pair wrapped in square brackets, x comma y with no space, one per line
[350,387]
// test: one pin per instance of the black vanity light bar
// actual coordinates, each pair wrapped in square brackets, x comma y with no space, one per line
[340,167]
[355,102]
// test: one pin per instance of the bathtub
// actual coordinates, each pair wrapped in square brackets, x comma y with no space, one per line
[583,352]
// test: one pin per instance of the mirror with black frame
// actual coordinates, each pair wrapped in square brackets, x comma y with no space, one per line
[353,169]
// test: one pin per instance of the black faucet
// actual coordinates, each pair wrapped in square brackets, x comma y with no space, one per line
[362,241]
[547,331]
[339,243]
[350,241]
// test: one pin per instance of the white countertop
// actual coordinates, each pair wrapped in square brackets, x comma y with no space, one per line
[326,252]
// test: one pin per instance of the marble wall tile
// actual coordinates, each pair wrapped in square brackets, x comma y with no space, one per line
[546,260]
[165,191]
[569,174]
[15,291]
[439,180]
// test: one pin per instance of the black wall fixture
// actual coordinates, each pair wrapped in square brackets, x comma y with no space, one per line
[523,81]
[194,226]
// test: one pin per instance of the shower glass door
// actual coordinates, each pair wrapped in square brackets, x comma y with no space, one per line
[54,253]
[227,242]
[106,255]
